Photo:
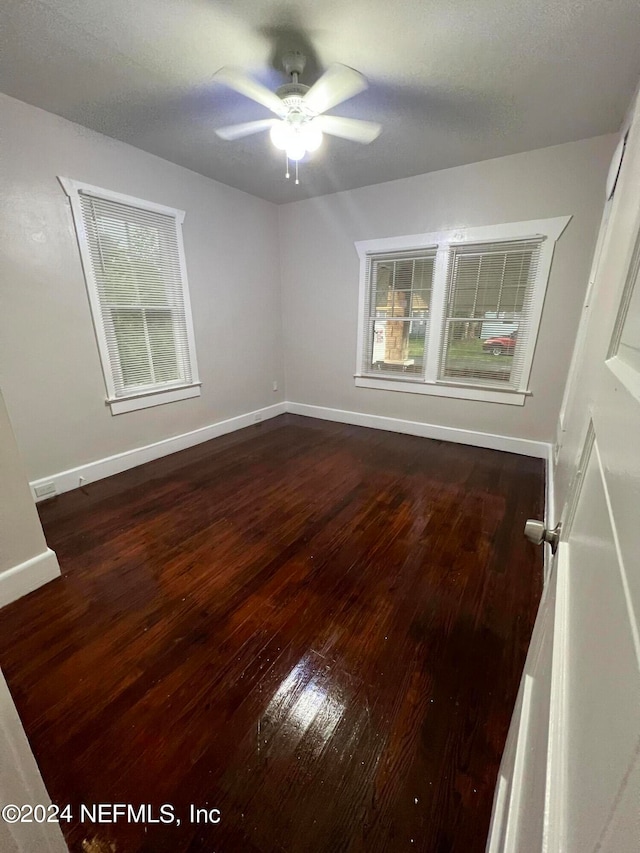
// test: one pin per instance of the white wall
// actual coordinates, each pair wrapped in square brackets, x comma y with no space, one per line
[25,560]
[49,366]
[320,277]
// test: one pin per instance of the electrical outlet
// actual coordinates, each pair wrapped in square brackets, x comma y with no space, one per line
[45,490]
[275,385]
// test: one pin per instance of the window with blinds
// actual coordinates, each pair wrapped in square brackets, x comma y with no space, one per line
[455,313]
[132,255]
[487,318]
[397,307]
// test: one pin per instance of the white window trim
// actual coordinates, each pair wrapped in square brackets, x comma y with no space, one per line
[155,396]
[548,229]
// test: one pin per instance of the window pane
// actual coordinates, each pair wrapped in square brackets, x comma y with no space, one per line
[163,346]
[381,284]
[493,282]
[487,308]
[131,257]
[113,257]
[471,354]
[397,346]
[144,253]
[128,326]
[423,273]
[420,303]
[401,302]
[401,287]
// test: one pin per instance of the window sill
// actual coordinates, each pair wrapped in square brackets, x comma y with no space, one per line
[461,392]
[120,405]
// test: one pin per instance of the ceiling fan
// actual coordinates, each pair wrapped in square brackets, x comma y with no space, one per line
[300,122]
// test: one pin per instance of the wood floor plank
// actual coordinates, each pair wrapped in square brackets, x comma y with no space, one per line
[317,628]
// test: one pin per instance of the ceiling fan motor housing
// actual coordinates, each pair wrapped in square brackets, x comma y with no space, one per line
[295,90]
[292,95]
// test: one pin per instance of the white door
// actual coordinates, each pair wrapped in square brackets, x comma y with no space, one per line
[600,761]
[519,803]
[570,779]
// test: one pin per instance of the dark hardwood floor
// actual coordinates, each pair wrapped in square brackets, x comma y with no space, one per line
[317,629]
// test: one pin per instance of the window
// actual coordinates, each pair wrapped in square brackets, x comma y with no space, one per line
[133,261]
[398,310]
[454,313]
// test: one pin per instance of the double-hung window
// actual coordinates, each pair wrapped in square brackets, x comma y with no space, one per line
[398,299]
[133,260]
[454,313]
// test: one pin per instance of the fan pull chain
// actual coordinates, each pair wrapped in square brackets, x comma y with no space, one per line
[287,173]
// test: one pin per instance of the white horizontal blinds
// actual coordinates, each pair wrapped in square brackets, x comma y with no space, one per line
[397,312]
[136,264]
[488,311]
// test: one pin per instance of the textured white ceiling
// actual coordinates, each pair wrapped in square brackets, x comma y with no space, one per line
[452,82]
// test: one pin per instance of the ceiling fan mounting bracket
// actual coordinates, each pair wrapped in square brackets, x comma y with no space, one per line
[293,62]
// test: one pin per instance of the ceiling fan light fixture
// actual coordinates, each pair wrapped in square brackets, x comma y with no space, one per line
[296,150]
[296,139]
[312,136]
[281,134]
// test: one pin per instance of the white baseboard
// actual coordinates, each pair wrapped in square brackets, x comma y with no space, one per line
[65,481]
[523,446]
[27,576]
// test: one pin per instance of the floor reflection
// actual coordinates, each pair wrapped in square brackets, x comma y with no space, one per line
[307,706]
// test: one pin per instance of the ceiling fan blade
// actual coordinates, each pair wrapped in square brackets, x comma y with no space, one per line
[349,128]
[238,80]
[237,131]
[337,84]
